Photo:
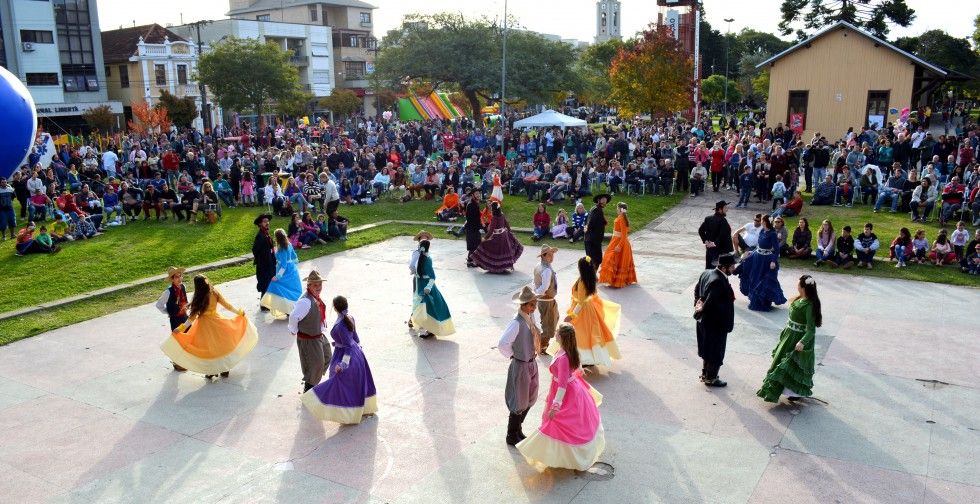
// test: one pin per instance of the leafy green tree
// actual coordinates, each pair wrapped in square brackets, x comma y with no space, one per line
[341,102]
[713,90]
[592,68]
[756,42]
[872,15]
[760,85]
[748,73]
[246,74]
[100,118]
[976,33]
[182,111]
[450,50]
[936,46]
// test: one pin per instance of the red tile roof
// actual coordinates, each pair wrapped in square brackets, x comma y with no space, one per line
[119,45]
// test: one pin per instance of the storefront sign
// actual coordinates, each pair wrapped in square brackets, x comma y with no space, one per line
[72,109]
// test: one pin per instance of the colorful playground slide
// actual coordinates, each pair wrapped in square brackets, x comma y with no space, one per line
[436,105]
[418,107]
[429,107]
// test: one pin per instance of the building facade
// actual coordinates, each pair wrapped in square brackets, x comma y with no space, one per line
[607,20]
[843,77]
[351,23]
[143,61]
[55,48]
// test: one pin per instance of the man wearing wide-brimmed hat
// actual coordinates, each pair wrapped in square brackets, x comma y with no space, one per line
[714,310]
[521,343]
[595,230]
[308,323]
[716,233]
[473,224]
[263,255]
[545,286]
[173,301]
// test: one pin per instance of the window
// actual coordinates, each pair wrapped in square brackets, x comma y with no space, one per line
[603,19]
[108,71]
[42,79]
[878,103]
[263,17]
[354,70]
[123,76]
[160,71]
[313,12]
[37,36]
[797,105]
[615,19]
[354,41]
[366,17]
[181,74]
[75,45]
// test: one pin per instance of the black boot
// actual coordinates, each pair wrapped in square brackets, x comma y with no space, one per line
[513,429]
[520,430]
[307,386]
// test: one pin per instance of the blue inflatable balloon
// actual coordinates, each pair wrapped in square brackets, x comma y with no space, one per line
[18,124]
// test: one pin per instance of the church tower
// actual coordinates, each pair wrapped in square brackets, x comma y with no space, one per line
[607,21]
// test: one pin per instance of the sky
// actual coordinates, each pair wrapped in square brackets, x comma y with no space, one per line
[574,19]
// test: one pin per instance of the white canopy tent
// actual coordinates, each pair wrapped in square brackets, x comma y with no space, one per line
[550,118]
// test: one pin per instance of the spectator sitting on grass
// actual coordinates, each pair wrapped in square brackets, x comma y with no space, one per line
[843,250]
[971,264]
[942,251]
[866,245]
[901,249]
[825,242]
[28,244]
[791,208]
[802,237]
[920,246]
[542,223]
[60,229]
[577,230]
[825,193]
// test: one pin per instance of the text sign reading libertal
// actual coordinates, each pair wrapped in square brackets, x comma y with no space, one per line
[66,109]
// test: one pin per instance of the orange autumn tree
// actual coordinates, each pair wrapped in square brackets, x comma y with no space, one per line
[654,76]
[148,119]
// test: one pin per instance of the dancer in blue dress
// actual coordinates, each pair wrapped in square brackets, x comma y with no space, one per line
[430,313]
[759,272]
[349,393]
[285,288]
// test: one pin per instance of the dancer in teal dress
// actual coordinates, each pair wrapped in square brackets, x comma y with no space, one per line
[430,313]
[286,287]
[793,360]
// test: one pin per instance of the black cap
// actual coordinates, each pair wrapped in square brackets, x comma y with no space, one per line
[721,204]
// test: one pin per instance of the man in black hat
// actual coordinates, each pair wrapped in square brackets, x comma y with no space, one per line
[716,234]
[595,230]
[714,310]
[263,256]
[473,224]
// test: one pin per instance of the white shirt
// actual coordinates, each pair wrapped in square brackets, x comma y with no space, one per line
[917,139]
[300,310]
[109,159]
[751,236]
[415,260]
[330,191]
[506,344]
[545,281]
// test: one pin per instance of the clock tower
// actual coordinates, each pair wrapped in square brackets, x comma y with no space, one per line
[608,20]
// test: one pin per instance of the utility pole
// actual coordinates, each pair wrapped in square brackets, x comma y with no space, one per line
[205,108]
[728,47]
[697,62]
[503,76]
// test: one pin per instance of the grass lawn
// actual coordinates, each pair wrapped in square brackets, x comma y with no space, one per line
[143,249]
[886,227]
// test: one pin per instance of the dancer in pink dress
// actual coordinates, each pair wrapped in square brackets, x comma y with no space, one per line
[571,434]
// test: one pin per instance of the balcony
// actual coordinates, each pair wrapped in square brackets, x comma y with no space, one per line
[299,60]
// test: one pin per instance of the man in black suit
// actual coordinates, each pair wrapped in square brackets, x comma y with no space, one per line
[714,310]
[263,256]
[716,234]
[595,230]
[473,225]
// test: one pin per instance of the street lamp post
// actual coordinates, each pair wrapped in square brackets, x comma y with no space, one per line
[205,108]
[373,47]
[503,73]
[728,47]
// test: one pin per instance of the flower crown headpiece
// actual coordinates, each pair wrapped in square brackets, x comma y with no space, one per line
[588,259]
[810,281]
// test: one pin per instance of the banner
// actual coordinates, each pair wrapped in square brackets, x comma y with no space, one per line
[672,20]
[796,122]
[876,121]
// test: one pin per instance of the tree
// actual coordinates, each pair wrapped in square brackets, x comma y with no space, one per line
[872,15]
[246,74]
[592,68]
[654,76]
[295,105]
[181,111]
[341,102]
[936,46]
[760,85]
[448,49]
[100,118]
[713,90]
[148,120]
[976,33]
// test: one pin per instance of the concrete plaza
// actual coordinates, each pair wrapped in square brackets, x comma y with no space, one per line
[94,412]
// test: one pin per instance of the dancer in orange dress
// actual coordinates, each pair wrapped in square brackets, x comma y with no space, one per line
[596,320]
[617,263]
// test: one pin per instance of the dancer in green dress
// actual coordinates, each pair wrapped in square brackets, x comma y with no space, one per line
[793,359]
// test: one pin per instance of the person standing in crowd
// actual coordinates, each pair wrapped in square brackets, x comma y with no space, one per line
[595,230]
[307,322]
[285,287]
[208,343]
[714,310]
[759,272]
[521,343]
[499,250]
[349,393]
[794,359]
[571,434]
[8,219]
[545,286]
[619,270]
[716,234]
[173,302]
[430,313]
[263,256]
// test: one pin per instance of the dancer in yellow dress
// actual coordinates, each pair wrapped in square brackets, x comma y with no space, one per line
[596,320]
[213,345]
[618,269]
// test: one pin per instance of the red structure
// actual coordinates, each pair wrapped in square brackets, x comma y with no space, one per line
[683,17]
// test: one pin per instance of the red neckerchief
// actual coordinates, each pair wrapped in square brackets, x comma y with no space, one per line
[181,301]
[321,305]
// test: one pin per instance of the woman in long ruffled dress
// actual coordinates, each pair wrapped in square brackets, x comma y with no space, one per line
[430,313]
[497,193]
[213,345]
[759,272]
[617,268]
[596,320]
[793,359]
[571,434]
[286,287]
[499,249]
[349,393]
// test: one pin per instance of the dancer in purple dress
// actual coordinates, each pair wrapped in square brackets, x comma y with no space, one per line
[499,249]
[349,393]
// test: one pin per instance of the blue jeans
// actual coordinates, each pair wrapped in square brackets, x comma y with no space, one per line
[886,194]
[300,200]
[821,256]
[746,194]
[925,213]
[900,253]
[818,175]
